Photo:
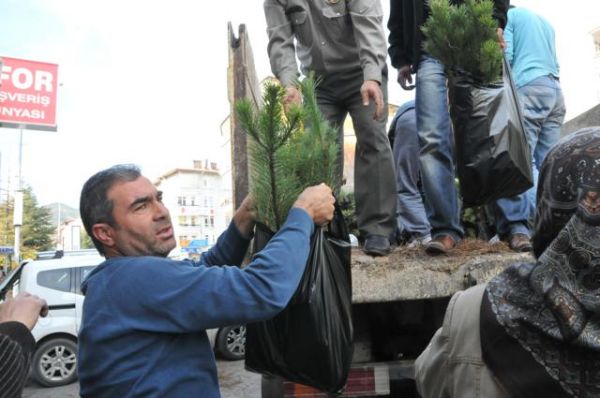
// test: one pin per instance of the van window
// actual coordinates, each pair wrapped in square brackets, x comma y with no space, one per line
[85,271]
[57,279]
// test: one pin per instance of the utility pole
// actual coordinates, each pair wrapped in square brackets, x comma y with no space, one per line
[18,212]
[59,244]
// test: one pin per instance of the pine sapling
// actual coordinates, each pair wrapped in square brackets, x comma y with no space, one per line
[271,183]
[287,153]
[464,38]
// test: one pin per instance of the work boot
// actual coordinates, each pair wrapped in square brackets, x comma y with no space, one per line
[441,244]
[377,245]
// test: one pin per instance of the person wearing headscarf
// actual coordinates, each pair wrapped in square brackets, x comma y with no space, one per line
[534,329]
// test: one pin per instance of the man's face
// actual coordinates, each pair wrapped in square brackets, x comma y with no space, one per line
[143,225]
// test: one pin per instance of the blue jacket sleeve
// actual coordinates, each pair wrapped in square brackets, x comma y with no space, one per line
[161,295]
[230,248]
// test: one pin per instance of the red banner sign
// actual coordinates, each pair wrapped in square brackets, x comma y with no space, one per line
[28,94]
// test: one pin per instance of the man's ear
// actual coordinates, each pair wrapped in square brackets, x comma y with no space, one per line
[104,233]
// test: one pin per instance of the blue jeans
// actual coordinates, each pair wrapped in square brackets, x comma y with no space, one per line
[544,110]
[436,149]
[410,213]
[543,113]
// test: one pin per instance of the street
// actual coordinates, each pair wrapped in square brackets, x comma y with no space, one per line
[235,382]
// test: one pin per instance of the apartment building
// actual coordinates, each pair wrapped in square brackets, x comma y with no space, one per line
[199,206]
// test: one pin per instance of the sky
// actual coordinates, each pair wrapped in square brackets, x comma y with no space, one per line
[145,82]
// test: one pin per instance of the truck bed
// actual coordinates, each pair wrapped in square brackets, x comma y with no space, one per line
[412,274]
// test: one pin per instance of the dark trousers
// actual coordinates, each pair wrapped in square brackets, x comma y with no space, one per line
[374,181]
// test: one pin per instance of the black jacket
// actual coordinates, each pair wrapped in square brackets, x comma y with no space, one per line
[16,346]
[407,17]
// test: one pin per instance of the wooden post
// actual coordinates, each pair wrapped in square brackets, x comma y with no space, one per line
[242,83]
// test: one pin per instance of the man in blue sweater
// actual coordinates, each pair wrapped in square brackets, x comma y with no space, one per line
[145,316]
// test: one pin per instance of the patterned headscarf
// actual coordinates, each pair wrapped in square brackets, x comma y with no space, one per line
[552,307]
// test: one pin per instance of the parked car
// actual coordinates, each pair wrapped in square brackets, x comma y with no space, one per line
[229,342]
[56,277]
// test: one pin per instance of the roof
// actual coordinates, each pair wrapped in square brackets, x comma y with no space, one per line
[173,172]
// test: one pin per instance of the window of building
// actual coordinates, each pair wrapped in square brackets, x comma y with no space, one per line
[206,222]
[181,220]
[194,221]
[212,221]
[181,201]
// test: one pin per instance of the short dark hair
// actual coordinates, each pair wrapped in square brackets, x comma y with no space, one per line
[94,206]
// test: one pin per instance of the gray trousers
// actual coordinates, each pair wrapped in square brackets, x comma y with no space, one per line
[374,180]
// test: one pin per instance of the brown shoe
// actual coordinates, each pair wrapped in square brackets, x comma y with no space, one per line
[520,243]
[441,244]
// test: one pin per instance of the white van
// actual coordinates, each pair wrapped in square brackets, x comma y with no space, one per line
[56,277]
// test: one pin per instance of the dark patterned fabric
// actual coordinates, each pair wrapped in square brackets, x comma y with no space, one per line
[16,347]
[570,171]
[552,307]
[512,365]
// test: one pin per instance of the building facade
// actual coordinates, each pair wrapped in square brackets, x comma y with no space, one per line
[199,206]
[69,233]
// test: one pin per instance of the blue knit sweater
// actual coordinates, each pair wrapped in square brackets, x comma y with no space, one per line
[144,318]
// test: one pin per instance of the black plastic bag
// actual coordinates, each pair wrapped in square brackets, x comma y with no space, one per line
[310,341]
[492,154]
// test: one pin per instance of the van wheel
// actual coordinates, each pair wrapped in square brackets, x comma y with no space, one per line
[55,362]
[231,342]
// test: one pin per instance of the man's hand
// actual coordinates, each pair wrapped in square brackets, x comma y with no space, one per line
[292,97]
[24,308]
[405,77]
[371,89]
[500,33]
[245,216]
[318,201]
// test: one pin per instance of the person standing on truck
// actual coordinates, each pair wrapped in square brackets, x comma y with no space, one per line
[145,316]
[531,53]
[343,43]
[534,329]
[433,120]
[412,225]
[18,316]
